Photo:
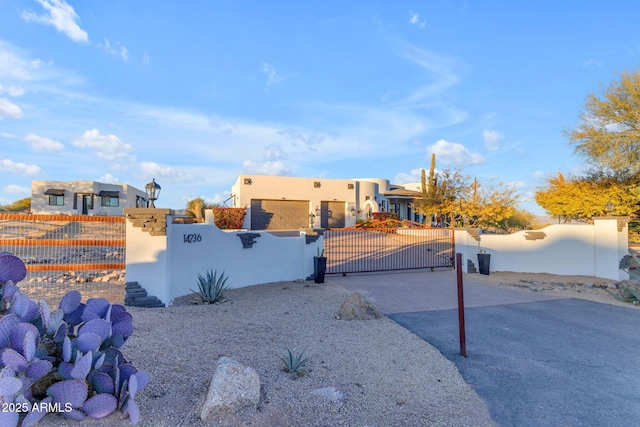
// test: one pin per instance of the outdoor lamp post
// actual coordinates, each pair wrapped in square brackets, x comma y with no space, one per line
[153,191]
[609,207]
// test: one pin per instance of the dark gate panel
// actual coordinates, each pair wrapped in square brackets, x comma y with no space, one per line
[332,215]
[352,250]
[279,214]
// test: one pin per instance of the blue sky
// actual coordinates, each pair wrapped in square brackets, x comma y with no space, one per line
[195,93]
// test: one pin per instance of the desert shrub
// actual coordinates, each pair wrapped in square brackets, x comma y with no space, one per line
[66,360]
[229,218]
[382,216]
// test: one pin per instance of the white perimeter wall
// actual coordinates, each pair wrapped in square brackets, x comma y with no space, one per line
[567,249]
[168,266]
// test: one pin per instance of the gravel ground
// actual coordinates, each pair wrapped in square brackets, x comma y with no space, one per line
[582,287]
[369,373]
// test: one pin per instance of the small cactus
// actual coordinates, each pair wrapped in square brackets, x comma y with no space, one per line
[295,363]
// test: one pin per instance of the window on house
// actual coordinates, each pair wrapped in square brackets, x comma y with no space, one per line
[55,197]
[110,201]
[110,198]
[56,200]
[317,184]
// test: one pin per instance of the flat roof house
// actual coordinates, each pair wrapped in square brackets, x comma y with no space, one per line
[84,198]
[285,203]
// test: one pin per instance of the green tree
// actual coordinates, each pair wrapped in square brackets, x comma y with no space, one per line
[195,208]
[608,132]
[22,205]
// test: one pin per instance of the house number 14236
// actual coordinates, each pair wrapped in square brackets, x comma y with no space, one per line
[192,238]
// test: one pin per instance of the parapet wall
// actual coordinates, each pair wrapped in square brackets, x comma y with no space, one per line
[568,249]
[167,265]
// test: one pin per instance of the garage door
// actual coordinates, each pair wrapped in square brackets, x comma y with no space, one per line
[279,214]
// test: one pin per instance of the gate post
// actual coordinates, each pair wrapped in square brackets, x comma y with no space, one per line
[461,325]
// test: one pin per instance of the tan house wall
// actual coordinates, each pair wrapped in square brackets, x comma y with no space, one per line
[359,198]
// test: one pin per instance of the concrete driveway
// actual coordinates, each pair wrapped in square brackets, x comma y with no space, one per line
[537,359]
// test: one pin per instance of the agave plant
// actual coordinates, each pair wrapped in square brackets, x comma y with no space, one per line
[294,363]
[211,287]
[633,274]
[627,294]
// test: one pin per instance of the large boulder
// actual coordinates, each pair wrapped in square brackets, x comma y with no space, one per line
[232,388]
[359,305]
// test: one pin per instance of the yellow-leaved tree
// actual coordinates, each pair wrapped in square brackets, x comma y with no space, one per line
[582,198]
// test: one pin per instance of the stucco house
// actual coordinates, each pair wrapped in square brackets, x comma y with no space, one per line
[84,198]
[283,202]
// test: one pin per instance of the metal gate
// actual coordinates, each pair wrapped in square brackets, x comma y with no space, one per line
[403,246]
[65,252]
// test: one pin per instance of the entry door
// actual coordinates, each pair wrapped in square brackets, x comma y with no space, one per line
[86,204]
[332,215]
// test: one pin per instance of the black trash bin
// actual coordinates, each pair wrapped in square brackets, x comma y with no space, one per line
[484,261]
[319,268]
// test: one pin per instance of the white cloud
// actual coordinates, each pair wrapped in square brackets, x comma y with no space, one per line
[272,75]
[169,173]
[274,153]
[124,53]
[12,65]
[492,139]
[40,144]
[108,147]
[145,58]
[109,179]
[405,178]
[443,69]
[60,15]
[266,168]
[16,189]
[11,90]
[9,109]
[415,20]
[10,166]
[271,165]
[117,50]
[451,153]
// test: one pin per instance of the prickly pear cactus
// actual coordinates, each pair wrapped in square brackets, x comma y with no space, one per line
[66,360]
[11,268]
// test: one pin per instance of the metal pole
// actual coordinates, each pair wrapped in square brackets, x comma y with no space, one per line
[463,341]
